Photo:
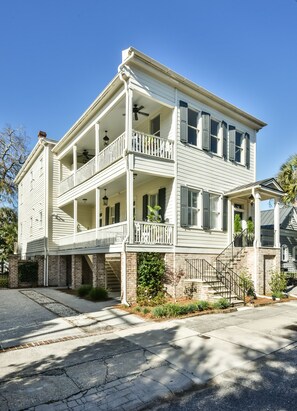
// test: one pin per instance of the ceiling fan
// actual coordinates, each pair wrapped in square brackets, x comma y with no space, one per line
[137,110]
[85,156]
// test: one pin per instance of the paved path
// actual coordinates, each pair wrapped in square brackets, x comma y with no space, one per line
[132,363]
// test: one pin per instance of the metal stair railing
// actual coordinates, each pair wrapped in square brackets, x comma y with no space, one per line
[232,250]
[231,279]
[203,270]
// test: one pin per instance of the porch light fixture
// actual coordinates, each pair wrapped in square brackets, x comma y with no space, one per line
[84,200]
[106,139]
[105,199]
[251,199]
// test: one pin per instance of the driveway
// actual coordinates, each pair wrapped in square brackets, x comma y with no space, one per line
[77,355]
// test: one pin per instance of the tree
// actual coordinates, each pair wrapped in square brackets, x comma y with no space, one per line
[8,232]
[13,153]
[287,178]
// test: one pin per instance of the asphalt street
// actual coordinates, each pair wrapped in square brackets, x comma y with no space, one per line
[63,353]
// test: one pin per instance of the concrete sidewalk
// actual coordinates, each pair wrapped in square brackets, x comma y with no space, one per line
[140,362]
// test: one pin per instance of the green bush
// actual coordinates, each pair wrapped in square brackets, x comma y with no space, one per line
[160,311]
[203,305]
[222,303]
[84,290]
[146,311]
[150,277]
[98,294]
[247,283]
[278,283]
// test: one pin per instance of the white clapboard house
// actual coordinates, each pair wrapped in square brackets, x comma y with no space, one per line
[152,137]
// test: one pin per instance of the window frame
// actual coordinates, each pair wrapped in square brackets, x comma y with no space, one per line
[192,127]
[284,253]
[156,133]
[216,137]
[241,148]
[215,212]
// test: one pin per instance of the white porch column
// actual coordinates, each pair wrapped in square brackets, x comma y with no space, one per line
[74,149]
[257,241]
[97,209]
[276,223]
[230,220]
[97,149]
[128,119]
[74,219]
[129,199]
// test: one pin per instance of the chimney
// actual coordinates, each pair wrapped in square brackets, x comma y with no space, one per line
[42,134]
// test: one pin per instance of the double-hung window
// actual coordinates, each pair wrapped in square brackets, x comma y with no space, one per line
[239,140]
[215,212]
[192,127]
[284,253]
[190,207]
[214,136]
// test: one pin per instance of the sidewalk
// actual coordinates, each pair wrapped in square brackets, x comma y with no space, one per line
[140,362]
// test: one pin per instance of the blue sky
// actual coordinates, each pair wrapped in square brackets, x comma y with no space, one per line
[57,55]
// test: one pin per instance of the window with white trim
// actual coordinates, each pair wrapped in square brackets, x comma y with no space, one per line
[239,140]
[190,207]
[294,253]
[112,215]
[153,200]
[215,212]
[214,136]
[192,127]
[284,253]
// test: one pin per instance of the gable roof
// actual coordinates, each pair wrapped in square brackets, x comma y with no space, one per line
[267,216]
[269,185]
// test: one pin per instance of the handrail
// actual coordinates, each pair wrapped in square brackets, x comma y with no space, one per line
[208,273]
[232,279]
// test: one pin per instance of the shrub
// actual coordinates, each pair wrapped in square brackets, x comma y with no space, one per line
[278,283]
[222,303]
[247,283]
[203,305]
[160,311]
[146,311]
[98,294]
[84,290]
[150,277]
[28,271]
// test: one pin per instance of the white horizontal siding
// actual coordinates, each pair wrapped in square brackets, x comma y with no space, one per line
[153,166]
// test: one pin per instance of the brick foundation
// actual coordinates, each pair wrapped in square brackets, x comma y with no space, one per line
[13,278]
[76,271]
[131,276]
[62,275]
[99,273]
[40,260]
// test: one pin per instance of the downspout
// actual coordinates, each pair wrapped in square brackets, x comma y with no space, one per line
[124,265]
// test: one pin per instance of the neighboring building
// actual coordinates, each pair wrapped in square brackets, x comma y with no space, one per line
[151,137]
[288,235]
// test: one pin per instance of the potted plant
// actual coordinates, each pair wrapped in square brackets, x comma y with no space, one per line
[250,232]
[237,231]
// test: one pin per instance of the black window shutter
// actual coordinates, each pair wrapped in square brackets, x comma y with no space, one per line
[225,213]
[225,146]
[247,150]
[206,210]
[205,131]
[162,203]
[117,212]
[183,109]
[184,206]
[144,207]
[232,133]
[107,216]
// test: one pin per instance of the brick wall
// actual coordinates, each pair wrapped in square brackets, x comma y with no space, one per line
[76,271]
[131,276]
[40,260]
[13,279]
[99,273]
[62,275]
[53,270]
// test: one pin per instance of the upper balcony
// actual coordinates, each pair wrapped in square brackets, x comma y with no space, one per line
[142,144]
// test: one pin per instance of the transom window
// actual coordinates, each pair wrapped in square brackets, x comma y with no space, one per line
[239,147]
[214,136]
[215,212]
[192,127]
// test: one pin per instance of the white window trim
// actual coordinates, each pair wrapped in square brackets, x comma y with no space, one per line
[219,137]
[242,148]
[284,253]
[219,212]
[197,128]
[294,253]
[198,208]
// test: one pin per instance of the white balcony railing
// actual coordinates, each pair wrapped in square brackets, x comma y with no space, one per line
[153,233]
[86,171]
[152,145]
[111,153]
[66,184]
[111,234]
[141,143]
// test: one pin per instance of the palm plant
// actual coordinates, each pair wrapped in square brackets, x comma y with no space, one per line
[287,178]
